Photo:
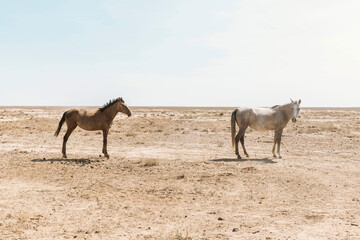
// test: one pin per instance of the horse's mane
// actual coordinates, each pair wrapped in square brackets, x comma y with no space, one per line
[279,106]
[108,104]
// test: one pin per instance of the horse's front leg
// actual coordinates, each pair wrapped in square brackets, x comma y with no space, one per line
[104,150]
[273,149]
[277,140]
[278,143]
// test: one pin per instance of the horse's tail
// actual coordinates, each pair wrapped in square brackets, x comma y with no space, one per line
[60,125]
[233,130]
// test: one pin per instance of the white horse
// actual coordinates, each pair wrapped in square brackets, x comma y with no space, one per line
[275,118]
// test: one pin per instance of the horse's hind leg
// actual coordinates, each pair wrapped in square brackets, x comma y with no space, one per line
[70,129]
[238,137]
[243,145]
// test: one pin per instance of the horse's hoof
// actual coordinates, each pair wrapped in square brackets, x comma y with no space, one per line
[107,156]
[280,156]
[247,155]
[274,156]
[64,156]
[238,157]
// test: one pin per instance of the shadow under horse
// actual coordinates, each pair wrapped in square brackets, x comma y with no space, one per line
[264,160]
[74,160]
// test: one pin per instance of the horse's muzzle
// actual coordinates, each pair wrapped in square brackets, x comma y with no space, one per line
[293,120]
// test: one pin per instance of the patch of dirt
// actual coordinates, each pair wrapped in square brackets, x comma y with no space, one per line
[172,174]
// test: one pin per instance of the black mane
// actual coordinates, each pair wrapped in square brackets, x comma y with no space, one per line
[108,104]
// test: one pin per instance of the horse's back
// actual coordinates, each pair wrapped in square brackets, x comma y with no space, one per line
[85,119]
[244,115]
[244,109]
[264,119]
[72,114]
[257,118]
[266,112]
[79,112]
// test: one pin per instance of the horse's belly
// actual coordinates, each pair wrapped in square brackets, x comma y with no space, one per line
[89,125]
[89,128]
[262,125]
[259,127]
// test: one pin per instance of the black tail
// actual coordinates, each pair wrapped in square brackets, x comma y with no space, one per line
[60,125]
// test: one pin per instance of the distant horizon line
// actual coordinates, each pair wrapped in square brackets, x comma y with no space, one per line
[179,107]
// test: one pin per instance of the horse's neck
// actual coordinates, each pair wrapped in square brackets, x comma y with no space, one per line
[287,108]
[110,113]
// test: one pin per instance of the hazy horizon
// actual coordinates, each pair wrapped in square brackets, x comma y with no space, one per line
[161,107]
[180,53]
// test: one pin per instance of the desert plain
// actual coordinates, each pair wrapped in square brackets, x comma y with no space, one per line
[172,174]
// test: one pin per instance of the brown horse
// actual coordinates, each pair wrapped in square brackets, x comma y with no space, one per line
[92,120]
[275,118]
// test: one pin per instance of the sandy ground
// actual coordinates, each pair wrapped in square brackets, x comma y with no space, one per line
[172,174]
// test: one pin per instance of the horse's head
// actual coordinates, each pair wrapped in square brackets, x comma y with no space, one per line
[296,109]
[121,107]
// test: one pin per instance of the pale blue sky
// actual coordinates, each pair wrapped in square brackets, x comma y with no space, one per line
[180,53]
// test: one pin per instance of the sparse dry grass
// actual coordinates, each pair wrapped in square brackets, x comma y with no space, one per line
[174,171]
[179,236]
[150,162]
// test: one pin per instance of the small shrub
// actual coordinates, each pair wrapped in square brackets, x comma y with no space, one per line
[179,236]
[151,163]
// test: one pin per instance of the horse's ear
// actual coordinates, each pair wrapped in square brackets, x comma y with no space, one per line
[291,100]
[299,101]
